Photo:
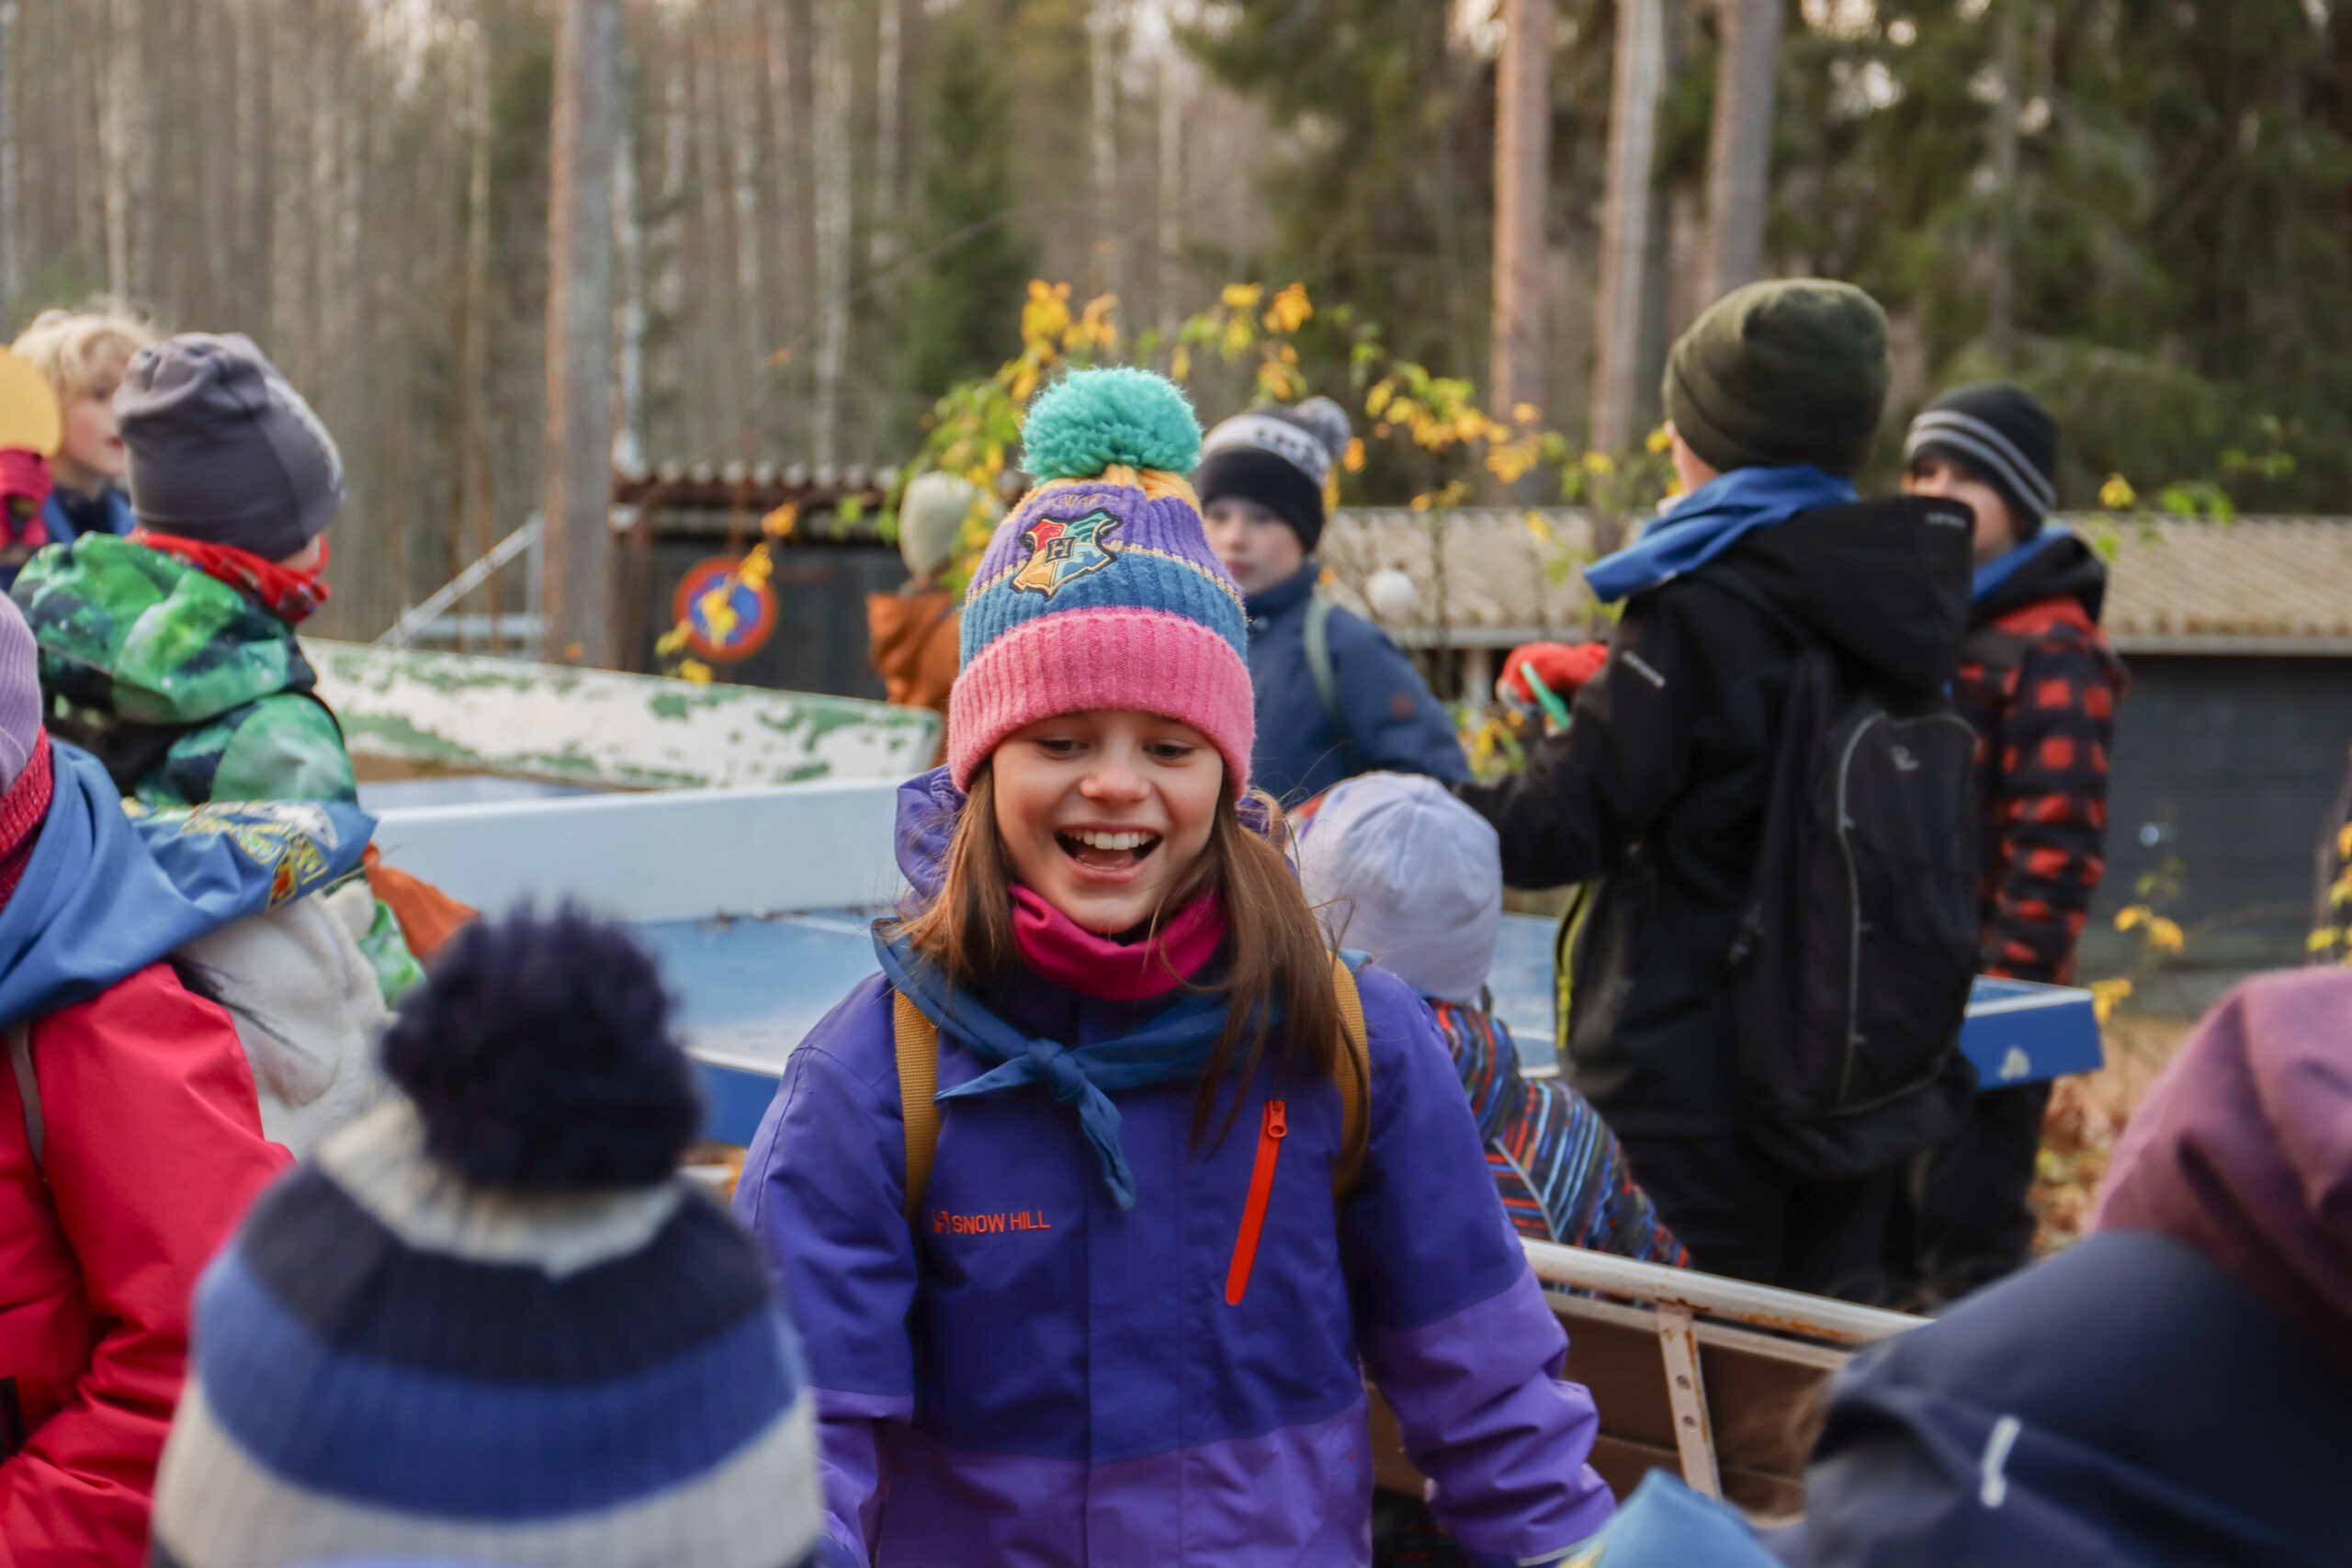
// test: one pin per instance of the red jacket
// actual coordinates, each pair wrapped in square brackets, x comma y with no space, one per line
[2040,686]
[152,1149]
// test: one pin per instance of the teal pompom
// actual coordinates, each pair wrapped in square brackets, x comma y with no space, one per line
[1092,419]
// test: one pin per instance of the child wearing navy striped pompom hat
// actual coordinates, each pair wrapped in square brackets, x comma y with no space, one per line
[489,1323]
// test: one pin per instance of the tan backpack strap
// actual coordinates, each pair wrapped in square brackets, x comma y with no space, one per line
[918,1042]
[1353,1072]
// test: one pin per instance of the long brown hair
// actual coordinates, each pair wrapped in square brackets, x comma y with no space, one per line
[1277,987]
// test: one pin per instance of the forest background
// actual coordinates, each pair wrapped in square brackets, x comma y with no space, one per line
[828,211]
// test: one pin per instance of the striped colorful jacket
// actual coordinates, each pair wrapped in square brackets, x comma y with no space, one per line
[1031,1376]
[1561,1174]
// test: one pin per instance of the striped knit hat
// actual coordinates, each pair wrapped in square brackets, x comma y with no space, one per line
[489,1323]
[2004,435]
[1100,591]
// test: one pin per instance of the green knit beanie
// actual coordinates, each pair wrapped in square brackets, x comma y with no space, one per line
[1781,373]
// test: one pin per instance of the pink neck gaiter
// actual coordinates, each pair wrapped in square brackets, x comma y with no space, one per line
[1063,951]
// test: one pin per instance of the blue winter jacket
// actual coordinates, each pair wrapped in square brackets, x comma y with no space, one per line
[1030,1376]
[1391,721]
[2126,1402]
[61,530]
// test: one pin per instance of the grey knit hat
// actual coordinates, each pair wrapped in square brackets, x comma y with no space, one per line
[222,449]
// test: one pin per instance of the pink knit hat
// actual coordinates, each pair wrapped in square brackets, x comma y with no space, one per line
[1099,591]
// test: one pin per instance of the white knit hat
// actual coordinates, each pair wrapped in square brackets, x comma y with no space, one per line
[1400,869]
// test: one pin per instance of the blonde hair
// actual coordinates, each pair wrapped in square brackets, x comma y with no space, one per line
[75,348]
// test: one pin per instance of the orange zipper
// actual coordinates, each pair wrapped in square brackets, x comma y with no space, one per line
[1262,1188]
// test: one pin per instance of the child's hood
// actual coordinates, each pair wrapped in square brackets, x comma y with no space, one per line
[929,805]
[129,629]
[1397,867]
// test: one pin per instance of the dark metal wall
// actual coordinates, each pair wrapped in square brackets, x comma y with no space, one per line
[820,642]
[2231,766]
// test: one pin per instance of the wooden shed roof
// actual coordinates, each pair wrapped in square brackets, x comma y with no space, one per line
[1490,578]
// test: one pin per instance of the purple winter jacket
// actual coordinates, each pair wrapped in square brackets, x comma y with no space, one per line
[1032,1376]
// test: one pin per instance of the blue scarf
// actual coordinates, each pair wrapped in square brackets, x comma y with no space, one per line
[2001,568]
[1174,1047]
[105,893]
[1711,520]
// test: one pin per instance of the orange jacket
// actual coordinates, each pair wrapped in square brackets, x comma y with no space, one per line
[914,642]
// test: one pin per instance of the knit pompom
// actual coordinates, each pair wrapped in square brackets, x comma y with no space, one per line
[1095,418]
[540,1059]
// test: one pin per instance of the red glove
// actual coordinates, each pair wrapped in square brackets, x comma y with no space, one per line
[1561,665]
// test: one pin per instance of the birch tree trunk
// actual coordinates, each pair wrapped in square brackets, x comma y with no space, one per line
[889,59]
[793,70]
[120,95]
[1103,140]
[628,244]
[734,71]
[476,536]
[10,246]
[835,63]
[1619,317]
[1522,174]
[721,302]
[1169,216]
[87,70]
[670,281]
[1739,144]
[578,493]
[256,165]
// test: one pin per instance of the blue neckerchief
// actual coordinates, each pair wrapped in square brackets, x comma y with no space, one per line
[106,894]
[1708,521]
[1174,1047]
[2001,568]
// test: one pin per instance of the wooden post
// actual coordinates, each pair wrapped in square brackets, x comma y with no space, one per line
[579,451]
[1523,168]
[1739,145]
[1620,313]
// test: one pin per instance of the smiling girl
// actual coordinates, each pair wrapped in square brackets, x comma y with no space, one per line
[1110,1293]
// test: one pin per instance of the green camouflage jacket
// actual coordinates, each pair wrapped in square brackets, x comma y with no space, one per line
[188,691]
[186,688]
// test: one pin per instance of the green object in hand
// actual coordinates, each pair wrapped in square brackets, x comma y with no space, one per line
[1554,708]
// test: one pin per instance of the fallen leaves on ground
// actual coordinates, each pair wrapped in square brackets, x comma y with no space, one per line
[2087,1115]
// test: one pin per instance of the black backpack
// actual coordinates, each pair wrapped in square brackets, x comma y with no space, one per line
[1857,942]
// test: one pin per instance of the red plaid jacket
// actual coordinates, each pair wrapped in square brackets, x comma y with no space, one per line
[2040,686]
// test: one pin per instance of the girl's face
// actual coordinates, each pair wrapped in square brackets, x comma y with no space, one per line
[90,450]
[1102,813]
